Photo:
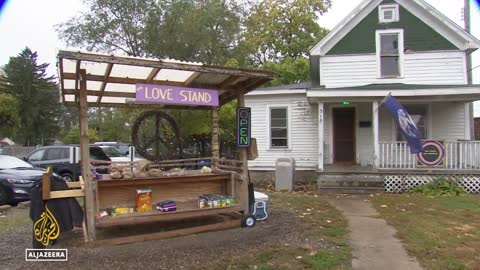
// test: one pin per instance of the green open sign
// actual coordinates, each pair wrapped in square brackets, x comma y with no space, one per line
[243,127]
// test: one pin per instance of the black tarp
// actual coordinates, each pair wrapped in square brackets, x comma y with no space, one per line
[67,211]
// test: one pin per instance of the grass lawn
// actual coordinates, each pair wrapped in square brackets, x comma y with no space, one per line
[323,223]
[442,232]
[12,219]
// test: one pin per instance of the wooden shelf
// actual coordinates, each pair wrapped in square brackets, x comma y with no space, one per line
[163,180]
[184,210]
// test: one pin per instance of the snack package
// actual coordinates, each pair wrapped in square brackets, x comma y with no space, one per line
[144,200]
[121,210]
[167,206]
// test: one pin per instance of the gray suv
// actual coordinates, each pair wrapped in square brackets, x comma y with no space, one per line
[62,159]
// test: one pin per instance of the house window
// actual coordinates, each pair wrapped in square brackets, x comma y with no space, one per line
[418,113]
[390,53]
[279,127]
[388,13]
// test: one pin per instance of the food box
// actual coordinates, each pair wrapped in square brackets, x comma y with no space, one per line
[143,200]
[121,210]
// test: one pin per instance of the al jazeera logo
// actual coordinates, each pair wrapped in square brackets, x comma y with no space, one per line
[46,229]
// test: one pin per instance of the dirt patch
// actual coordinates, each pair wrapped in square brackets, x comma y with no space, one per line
[262,178]
[304,181]
[189,252]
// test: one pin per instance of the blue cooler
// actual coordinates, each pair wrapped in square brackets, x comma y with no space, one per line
[260,209]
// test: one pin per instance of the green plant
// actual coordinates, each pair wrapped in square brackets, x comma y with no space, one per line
[439,187]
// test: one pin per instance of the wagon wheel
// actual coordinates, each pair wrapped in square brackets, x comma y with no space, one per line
[155,136]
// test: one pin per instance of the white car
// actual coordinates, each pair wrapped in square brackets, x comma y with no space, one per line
[115,155]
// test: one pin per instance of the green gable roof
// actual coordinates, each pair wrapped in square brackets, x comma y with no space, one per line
[418,36]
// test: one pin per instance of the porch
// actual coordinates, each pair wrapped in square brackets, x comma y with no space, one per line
[399,171]
[362,143]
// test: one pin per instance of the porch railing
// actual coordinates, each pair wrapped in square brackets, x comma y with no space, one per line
[459,155]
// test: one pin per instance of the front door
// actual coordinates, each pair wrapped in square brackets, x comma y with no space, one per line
[344,135]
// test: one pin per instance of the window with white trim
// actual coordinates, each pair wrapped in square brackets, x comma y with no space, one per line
[279,127]
[388,13]
[389,53]
[418,113]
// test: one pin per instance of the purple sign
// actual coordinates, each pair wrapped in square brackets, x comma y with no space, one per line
[176,95]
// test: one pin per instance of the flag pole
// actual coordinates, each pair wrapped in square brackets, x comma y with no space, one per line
[383,101]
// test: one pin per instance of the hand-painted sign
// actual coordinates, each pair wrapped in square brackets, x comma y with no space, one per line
[433,154]
[176,95]
[243,127]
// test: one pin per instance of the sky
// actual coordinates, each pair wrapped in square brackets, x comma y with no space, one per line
[32,23]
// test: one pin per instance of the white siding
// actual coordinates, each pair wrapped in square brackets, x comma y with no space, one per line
[448,121]
[419,68]
[386,127]
[303,131]
[364,134]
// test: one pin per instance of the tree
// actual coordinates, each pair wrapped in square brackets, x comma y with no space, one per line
[289,70]
[277,29]
[196,30]
[111,26]
[190,30]
[279,34]
[37,96]
[113,124]
[8,115]
[73,135]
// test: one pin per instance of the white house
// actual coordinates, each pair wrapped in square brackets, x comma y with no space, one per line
[403,47]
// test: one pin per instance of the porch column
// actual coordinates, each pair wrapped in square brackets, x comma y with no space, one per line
[376,148]
[320,136]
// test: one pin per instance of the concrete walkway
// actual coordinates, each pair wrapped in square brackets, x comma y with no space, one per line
[372,239]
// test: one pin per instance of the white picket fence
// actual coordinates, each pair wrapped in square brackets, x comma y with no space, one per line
[459,155]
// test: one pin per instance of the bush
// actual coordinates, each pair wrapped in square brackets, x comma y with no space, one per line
[439,187]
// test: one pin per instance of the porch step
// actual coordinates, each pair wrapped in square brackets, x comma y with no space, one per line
[350,183]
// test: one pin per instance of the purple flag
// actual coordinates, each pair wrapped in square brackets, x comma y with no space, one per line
[406,124]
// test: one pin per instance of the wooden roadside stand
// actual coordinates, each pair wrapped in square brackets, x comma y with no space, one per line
[89,80]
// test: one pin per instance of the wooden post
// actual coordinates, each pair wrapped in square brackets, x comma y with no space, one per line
[320,136]
[85,157]
[244,160]
[215,143]
[46,186]
[376,148]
